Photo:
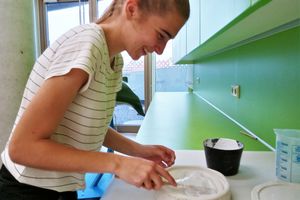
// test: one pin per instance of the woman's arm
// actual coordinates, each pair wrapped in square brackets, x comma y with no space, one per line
[157,153]
[31,145]
[120,143]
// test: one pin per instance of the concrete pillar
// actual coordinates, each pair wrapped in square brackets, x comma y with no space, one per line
[17,55]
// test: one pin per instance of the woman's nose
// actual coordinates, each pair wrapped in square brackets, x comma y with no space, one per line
[159,48]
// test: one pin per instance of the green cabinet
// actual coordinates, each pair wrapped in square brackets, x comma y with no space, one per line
[188,38]
[207,17]
[230,23]
[216,14]
[179,45]
[193,26]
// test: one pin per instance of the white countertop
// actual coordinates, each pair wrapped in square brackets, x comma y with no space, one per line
[256,167]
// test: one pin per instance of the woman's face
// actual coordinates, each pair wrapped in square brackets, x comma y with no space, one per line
[151,34]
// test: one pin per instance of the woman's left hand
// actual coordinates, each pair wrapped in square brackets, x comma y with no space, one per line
[161,155]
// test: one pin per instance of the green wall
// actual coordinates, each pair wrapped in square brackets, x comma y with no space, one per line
[268,72]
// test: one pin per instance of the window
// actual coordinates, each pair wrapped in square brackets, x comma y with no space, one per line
[73,13]
[170,77]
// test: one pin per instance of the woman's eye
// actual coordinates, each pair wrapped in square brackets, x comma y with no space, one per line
[160,36]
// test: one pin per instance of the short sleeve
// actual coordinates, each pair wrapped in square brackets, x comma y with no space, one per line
[75,50]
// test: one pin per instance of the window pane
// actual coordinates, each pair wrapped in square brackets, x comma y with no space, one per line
[169,77]
[102,5]
[70,12]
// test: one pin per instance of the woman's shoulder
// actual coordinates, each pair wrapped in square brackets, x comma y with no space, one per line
[88,30]
[82,35]
[83,31]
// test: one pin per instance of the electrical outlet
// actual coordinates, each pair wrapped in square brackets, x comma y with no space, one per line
[236,91]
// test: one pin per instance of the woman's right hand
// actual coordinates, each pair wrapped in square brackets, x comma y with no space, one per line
[142,173]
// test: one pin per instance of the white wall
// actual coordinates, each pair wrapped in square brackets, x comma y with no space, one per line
[17,55]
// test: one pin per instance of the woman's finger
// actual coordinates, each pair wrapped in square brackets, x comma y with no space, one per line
[148,184]
[157,181]
[162,172]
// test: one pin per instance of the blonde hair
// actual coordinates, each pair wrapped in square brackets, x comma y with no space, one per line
[159,7]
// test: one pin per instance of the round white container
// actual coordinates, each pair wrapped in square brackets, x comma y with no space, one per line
[276,190]
[195,183]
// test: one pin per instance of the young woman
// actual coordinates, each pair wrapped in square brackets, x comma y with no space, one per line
[69,100]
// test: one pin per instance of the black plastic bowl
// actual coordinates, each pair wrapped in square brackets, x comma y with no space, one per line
[223,155]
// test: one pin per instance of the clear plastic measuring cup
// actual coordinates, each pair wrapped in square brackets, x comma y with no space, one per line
[288,155]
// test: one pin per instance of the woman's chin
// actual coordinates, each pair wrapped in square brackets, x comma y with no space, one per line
[135,57]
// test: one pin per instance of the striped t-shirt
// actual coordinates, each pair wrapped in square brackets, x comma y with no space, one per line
[86,120]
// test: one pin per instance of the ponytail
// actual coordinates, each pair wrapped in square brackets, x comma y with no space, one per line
[112,9]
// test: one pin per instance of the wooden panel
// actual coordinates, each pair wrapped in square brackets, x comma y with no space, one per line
[193,26]
[179,45]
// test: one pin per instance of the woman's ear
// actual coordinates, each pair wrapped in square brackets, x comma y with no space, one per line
[131,9]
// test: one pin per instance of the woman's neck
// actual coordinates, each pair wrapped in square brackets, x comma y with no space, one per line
[113,37]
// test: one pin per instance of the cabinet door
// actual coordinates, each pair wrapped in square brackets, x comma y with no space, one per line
[179,45]
[193,26]
[216,14]
[254,2]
